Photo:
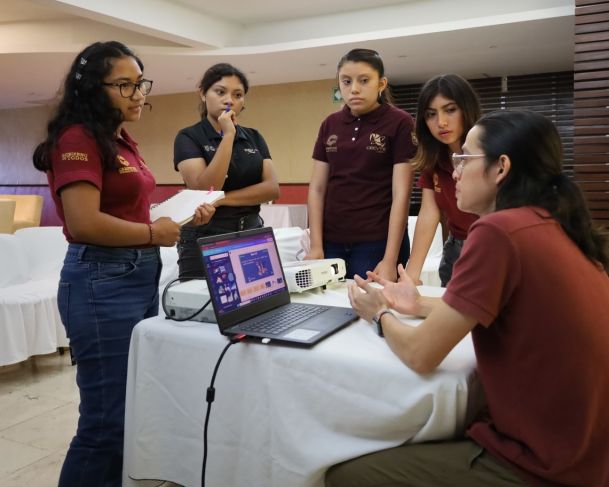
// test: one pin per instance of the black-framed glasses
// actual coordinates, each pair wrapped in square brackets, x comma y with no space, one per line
[127,88]
[459,160]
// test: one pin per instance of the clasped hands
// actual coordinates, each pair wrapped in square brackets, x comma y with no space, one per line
[367,300]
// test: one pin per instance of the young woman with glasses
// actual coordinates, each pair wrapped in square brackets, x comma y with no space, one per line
[218,153]
[531,285]
[447,108]
[362,177]
[109,281]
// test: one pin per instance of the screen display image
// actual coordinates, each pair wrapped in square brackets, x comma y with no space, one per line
[242,270]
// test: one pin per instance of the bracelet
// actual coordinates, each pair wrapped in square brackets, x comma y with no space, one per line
[151,233]
[377,319]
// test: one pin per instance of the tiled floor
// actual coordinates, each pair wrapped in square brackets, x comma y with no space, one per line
[38,416]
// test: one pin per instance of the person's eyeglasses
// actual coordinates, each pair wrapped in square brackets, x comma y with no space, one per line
[127,88]
[459,160]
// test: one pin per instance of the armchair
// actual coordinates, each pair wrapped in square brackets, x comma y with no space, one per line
[7,215]
[28,209]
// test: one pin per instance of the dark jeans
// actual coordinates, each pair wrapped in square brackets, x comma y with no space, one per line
[103,293]
[363,256]
[190,262]
[450,254]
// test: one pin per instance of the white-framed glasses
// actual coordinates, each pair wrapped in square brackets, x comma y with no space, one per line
[459,160]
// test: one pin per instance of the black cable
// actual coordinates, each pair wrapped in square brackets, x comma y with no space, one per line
[163,304]
[210,396]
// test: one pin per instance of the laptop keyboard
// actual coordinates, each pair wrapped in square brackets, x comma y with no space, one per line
[278,321]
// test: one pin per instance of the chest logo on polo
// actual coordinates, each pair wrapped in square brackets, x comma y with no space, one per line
[126,167]
[331,143]
[436,183]
[247,150]
[209,148]
[74,156]
[377,143]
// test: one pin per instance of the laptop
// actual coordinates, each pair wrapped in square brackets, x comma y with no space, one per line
[249,292]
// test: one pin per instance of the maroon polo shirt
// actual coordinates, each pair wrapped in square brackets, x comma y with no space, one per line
[124,190]
[361,152]
[541,346]
[440,179]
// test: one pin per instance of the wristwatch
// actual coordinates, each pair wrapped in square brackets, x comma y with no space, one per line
[377,319]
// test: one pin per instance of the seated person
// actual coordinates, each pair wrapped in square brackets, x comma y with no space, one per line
[531,285]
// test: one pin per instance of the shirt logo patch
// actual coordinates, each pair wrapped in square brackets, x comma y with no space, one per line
[127,168]
[436,183]
[123,161]
[377,143]
[209,148]
[74,156]
[249,151]
[331,143]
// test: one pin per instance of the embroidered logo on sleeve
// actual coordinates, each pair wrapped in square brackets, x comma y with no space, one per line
[377,143]
[331,143]
[247,150]
[74,156]
[127,168]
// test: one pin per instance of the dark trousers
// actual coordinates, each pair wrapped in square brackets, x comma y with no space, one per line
[103,293]
[363,256]
[190,262]
[450,254]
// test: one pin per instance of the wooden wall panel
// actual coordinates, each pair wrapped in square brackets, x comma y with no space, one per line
[591,106]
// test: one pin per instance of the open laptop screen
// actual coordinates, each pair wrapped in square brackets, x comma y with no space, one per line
[242,269]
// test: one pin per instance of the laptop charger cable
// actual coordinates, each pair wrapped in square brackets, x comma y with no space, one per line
[211,395]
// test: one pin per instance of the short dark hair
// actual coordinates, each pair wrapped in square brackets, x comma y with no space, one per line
[535,178]
[85,101]
[453,87]
[371,58]
[214,74]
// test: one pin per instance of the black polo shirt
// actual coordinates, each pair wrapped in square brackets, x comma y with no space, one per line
[245,168]
[361,152]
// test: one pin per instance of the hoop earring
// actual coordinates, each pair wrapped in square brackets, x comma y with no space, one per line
[380,97]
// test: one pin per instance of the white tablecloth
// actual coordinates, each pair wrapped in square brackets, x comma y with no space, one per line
[282,415]
[278,216]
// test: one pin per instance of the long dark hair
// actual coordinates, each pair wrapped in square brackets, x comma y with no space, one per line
[215,74]
[372,59]
[453,87]
[84,101]
[535,178]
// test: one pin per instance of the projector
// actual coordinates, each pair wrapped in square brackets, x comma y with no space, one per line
[185,298]
[309,274]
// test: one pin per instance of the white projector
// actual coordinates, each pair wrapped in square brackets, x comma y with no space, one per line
[185,298]
[308,274]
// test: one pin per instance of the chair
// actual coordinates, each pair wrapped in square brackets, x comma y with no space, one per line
[7,215]
[28,209]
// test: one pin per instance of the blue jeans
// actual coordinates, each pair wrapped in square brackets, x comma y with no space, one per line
[103,293]
[363,256]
